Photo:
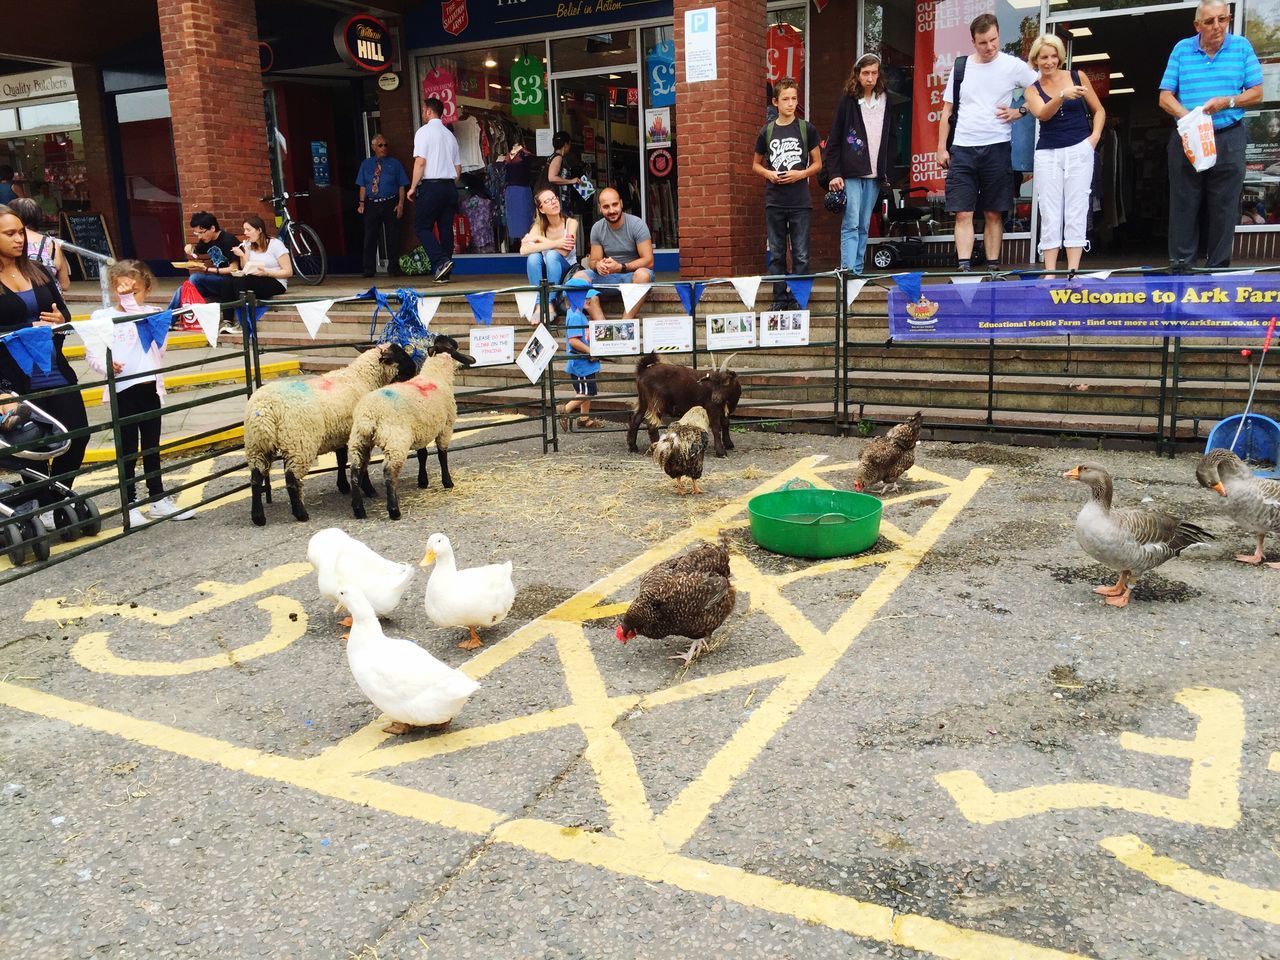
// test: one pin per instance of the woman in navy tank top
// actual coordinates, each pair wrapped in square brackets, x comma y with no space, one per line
[1071,121]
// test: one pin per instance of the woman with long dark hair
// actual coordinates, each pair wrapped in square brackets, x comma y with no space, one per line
[265,264]
[857,154]
[30,297]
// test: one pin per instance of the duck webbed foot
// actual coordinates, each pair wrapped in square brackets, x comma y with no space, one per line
[473,643]
[397,728]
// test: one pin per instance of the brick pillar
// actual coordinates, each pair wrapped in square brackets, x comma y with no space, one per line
[396,116]
[215,94]
[97,158]
[721,204]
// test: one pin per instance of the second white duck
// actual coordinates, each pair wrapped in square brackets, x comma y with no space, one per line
[475,597]
[342,560]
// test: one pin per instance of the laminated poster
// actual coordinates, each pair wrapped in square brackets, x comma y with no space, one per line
[784,328]
[668,334]
[492,345]
[615,338]
[537,354]
[731,331]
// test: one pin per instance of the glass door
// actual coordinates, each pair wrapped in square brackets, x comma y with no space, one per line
[601,113]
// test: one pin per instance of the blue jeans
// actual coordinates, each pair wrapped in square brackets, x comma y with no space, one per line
[860,197]
[435,205]
[213,288]
[782,224]
[551,264]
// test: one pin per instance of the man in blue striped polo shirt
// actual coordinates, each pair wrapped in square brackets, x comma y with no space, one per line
[1219,72]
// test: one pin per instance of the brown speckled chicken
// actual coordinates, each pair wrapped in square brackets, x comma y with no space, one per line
[682,447]
[687,596]
[885,459]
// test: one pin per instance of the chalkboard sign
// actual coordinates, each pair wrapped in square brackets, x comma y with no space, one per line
[87,230]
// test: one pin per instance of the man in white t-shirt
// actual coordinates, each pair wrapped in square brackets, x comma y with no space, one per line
[436,168]
[974,136]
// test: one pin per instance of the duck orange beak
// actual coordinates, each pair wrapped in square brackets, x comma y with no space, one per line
[1219,489]
[428,558]
[1072,474]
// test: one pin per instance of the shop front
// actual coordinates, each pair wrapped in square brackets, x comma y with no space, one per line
[604,74]
[40,139]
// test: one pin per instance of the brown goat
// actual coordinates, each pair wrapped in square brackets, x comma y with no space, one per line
[668,391]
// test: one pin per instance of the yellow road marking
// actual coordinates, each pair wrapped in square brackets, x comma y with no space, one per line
[1213,790]
[175,341]
[181,381]
[92,651]
[1258,903]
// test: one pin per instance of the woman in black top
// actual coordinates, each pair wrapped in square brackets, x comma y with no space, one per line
[29,297]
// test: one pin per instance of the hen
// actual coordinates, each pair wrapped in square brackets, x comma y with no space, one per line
[682,447]
[687,596]
[885,459]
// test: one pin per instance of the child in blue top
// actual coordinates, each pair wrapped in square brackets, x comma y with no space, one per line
[581,366]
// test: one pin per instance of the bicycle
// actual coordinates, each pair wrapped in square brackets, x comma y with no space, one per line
[310,261]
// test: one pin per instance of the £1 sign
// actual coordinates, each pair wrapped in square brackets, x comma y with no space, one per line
[528,96]
[660,65]
[784,53]
[440,83]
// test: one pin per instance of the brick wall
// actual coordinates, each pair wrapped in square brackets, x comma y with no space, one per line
[98,170]
[215,94]
[721,204]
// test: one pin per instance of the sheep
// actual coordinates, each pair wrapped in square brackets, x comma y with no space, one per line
[667,390]
[406,416]
[297,420]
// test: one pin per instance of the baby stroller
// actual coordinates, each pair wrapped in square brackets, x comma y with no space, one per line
[19,507]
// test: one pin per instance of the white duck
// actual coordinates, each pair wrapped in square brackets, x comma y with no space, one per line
[342,560]
[405,682]
[477,597]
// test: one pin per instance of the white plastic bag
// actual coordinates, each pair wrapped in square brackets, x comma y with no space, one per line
[1198,143]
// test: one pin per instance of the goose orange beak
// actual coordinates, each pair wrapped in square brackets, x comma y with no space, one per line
[1072,474]
[428,558]
[1219,489]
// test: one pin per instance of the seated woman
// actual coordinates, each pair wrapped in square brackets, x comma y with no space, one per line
[550,243]
[30,297]
[265,265]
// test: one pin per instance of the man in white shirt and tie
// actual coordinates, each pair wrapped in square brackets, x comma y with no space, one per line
[434,191]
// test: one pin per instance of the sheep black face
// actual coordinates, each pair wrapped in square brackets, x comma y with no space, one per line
[395,356]
[446,344]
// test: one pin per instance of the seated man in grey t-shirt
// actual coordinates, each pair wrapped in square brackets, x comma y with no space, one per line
[621,252]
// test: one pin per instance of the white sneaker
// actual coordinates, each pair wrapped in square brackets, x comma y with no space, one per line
[50,524]
[137,518]
[229,328]
[167,508]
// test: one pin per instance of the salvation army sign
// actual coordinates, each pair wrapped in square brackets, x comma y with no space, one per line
[364,42]
[1163,306]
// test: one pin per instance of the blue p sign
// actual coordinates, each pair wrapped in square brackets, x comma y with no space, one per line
[700,22]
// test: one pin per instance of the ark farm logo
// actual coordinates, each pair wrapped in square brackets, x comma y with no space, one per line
[922,313]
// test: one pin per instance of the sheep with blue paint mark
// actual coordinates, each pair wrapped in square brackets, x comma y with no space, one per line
[403,417]
[297,420]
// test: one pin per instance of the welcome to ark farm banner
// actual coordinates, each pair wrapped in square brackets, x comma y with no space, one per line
[1122,307]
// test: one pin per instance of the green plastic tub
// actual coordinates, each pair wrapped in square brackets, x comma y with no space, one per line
[801,520]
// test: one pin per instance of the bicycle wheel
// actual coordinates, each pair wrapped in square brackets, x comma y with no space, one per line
[310,262]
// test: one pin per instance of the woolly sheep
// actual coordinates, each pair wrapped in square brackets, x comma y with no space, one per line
[299,419]
[403,417]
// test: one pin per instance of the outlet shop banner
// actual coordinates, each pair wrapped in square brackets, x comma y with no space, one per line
[1240,307]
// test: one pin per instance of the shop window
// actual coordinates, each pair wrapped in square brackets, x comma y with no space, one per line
[785,55]
[8,121]
[64,113]
[918,43]
[500,94]
[51,169]
[1260,201]
[150,174]
[594,51]
[661,141]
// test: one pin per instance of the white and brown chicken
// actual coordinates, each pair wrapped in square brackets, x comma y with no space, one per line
[683,447]
[885,459]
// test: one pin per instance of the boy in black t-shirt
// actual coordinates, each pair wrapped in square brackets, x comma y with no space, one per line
[788,153]
[211,241]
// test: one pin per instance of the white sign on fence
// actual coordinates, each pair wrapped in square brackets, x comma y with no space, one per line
[537,354]
[615,338]
[784,328]
[493,345]
[731,331]
[668,334]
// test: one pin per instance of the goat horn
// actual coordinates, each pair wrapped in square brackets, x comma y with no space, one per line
[724,367]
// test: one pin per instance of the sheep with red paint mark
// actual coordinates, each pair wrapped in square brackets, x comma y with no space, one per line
[299,419]
[403,417]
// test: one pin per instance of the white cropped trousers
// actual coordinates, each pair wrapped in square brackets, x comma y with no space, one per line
[1063,178]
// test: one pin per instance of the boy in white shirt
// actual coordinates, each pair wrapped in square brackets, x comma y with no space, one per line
[139,390]
[977,117]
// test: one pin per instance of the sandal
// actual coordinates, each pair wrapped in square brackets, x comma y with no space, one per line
[562,418]
[588,423]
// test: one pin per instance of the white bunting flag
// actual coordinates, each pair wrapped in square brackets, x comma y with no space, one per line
[632,293]
[1100,275]
[314,314]
[527,303]
[427,307]
[852,288]
[209,316]
[747,288]
[96,334]
[968,287]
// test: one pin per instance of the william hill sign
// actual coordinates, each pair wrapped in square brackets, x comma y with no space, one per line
[364,42]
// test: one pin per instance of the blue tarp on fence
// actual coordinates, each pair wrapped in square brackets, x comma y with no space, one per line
[1164,306]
